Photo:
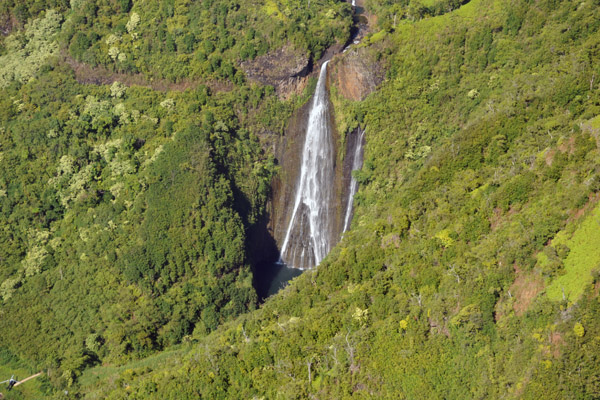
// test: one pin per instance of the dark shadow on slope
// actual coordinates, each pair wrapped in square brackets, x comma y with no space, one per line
[274,277]
[269,276]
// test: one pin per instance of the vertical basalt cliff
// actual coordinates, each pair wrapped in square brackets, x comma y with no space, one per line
[310,226]
[305,232]
[291,223]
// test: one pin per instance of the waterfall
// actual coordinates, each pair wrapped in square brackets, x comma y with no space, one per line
[308,237]
[356,164]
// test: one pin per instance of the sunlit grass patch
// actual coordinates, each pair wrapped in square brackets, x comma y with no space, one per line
[583,258]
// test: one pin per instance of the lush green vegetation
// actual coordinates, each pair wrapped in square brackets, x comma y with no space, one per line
[185,40]
[581,259]
[123,224]
[125,210]
[391,13]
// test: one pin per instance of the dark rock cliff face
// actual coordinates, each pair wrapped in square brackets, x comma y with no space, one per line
[285,69]
[289,153]
[355,74]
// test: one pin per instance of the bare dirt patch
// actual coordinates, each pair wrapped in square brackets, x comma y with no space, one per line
[568,146]
[549,157]
[498,217]
[578,213]
[526,286]
[86,74]
[556,341]
[565,147]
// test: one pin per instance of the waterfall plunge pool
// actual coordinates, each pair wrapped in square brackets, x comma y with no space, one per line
[272,278]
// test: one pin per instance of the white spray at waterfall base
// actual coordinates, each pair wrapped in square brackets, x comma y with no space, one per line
[308,237]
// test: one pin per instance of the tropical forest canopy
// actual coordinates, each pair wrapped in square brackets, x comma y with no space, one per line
[471,269]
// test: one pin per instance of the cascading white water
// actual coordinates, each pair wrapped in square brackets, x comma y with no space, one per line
[356,164]
[308,237]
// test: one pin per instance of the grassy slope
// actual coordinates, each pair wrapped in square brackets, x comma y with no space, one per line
[583,258]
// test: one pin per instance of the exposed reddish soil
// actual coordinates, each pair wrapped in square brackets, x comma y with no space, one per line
[569,146]
[549,157]
[526,286]
[592,200]
[497,218]
[86,74]
[557,342]
[439,328]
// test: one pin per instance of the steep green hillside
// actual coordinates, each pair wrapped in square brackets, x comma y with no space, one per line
[125,210]
[118,210]
[479,152]
[182,40]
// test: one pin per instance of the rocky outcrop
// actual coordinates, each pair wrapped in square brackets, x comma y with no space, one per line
[7,23]
[285,69]
[289,155]
[356,73]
